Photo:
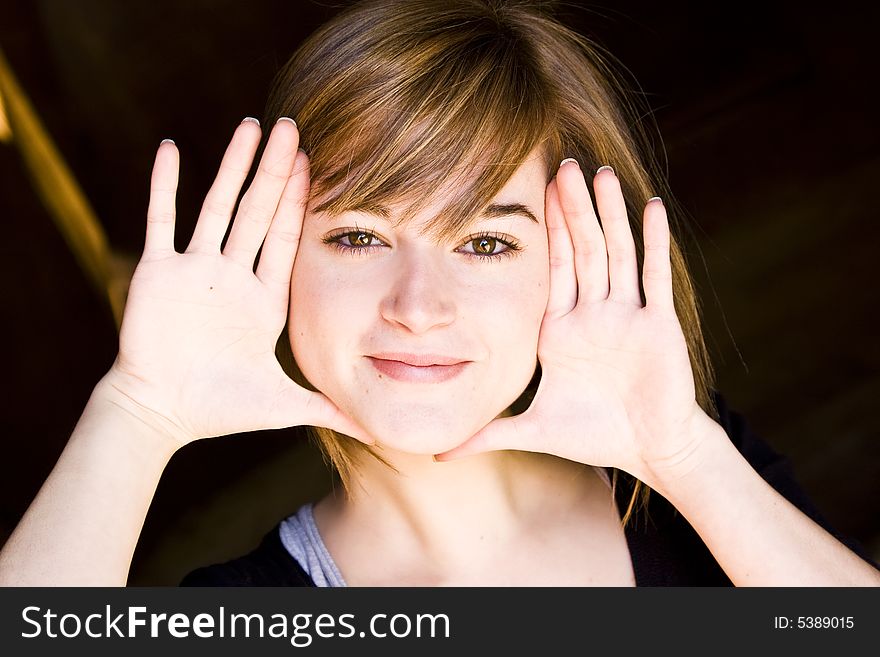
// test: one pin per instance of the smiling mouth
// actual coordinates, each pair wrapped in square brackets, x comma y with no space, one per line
[401,371]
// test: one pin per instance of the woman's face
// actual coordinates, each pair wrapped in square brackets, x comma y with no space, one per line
[366,298]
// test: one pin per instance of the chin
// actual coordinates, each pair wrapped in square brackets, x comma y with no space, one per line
[419,435]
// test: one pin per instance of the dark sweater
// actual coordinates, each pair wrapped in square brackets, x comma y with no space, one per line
[665,549]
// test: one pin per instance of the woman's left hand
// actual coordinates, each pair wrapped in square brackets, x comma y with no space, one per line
[616,386]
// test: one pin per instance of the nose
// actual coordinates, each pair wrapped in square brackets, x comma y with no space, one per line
[420,297]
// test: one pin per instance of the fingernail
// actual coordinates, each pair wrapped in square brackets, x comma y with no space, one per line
[167,141]
[604,168]
[287,118]
[655,198]
[251,119]
[569,159]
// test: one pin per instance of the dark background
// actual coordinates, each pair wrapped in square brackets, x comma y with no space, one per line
[768,116]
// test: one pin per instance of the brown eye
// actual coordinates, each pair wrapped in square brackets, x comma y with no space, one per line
[360,239]
[354,242]
[484,245]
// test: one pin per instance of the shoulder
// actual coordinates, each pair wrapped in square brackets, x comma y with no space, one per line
[269,564]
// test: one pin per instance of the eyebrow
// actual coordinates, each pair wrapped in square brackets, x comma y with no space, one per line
[492,211]
[496,210]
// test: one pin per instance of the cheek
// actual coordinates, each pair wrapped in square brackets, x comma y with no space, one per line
[528,290]
[313,321]
[300,310]
[517,311]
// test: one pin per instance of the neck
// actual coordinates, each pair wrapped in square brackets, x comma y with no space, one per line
[450,513]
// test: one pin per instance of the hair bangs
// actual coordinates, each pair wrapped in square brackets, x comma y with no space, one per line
[446,122]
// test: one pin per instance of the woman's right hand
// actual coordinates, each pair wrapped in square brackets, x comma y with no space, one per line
[197,342]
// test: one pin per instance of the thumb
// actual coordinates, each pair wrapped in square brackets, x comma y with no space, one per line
[299,406]
[500,433]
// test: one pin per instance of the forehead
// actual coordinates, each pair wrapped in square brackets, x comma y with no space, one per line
[529,178]
[524,186]
[521,196]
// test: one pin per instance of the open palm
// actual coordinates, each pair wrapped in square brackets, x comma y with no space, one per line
[197,341]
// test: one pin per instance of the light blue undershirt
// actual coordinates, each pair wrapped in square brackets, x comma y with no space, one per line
[300,536]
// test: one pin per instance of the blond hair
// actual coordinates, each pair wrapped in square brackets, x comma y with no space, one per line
[397,99]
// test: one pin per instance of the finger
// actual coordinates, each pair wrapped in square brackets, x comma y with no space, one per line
[163,190]
[501,433]
[657,270]
[299,407]
[623,269]
[260,202]
[563,293]
[590,257]
[221,198]
[279,250]
[321,412]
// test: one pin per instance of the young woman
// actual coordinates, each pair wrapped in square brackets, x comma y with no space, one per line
[497,352]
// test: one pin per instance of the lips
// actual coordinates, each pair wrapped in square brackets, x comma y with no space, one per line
[418,368]
[420,360]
